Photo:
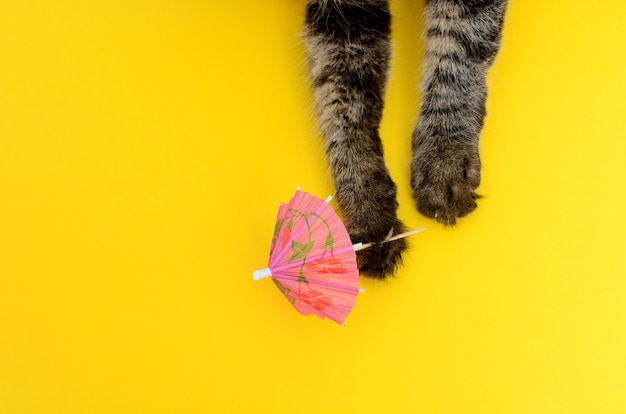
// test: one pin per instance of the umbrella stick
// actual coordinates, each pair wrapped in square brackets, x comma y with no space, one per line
[361,246]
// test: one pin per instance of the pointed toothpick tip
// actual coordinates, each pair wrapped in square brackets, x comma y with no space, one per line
[405,234]
[361,246]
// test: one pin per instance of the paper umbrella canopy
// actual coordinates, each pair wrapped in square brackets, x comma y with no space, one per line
[312,259]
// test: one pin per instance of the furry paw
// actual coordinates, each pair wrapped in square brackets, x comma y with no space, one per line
[369,210]
[443,182]
[381,259]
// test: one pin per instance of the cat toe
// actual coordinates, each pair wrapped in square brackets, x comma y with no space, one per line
[446,204]
[443,187]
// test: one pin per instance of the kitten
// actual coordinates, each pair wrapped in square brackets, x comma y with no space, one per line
[348,47]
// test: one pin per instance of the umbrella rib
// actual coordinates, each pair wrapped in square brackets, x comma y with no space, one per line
[319,282]
[312,258]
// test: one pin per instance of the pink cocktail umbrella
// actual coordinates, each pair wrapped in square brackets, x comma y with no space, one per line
[312,260]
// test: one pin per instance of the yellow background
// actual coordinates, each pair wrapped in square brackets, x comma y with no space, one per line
[145,145]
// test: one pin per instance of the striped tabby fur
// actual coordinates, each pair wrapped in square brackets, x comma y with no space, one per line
[348,46]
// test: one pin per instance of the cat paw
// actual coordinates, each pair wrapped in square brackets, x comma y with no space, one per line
[443,182]
[369,209]
[381,260]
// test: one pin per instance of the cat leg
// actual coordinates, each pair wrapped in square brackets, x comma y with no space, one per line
[462,39]
[348,48]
